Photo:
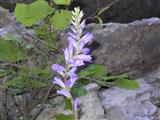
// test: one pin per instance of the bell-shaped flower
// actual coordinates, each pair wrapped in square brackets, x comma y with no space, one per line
[58,68]
[59,82]
[72,71]
[72,81]
[70,50]
[65,93]
[84,57]
[76,62]
[66,54]
[85,50]
[73,42]
[87,38]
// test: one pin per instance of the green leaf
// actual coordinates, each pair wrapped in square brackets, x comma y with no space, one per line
[62,2]
[61,19]
[10,52]
[110,78]
[93,71]
[68,104]
[79,91]
[126,83]
[64,117]
[32,13]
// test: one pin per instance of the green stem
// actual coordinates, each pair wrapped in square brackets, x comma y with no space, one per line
[74,111]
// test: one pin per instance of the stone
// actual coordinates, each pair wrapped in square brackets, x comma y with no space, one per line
[90,107]
[121,104]
[92,87]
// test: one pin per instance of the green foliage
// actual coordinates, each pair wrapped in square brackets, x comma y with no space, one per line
[10,52]
[27,78]
[64,117]
[4,72]
[61,19]
[62,2]
[79,90]
[32,13]
[98,73]
[127,84]
[22,82]
[94,70]
[68,104]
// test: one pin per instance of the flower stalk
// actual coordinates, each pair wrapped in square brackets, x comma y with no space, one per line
[76,55]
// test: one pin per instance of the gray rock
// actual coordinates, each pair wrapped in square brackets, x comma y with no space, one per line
[92,87]
[121,104]
[90,107]
[132,48]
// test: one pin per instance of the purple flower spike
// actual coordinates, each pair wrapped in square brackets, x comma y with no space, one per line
[58,68]
[75,104]
[59,82]
[65,93]
[75,56]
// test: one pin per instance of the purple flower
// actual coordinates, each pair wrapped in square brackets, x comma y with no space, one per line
[68,83]
[70,50]
[66,54]
[58,68]
[59,82]
[72,81]
[75,104]
[76,63]
[72,71]
[70,34]
[87,38]
[85,50]
[83,23]
[73,42]
[84,57]
[65,93]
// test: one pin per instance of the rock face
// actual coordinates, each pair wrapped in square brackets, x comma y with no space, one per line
[120,104]
[133,48]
